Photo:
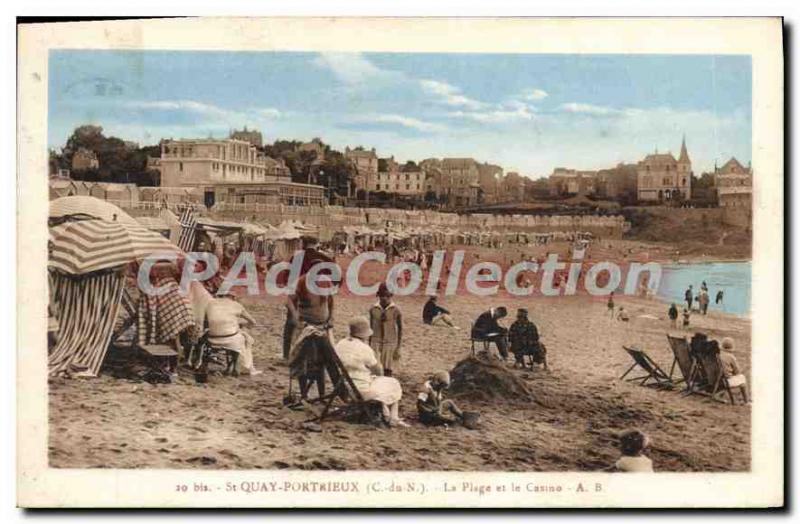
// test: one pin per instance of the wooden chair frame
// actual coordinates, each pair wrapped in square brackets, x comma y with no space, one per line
[654,372]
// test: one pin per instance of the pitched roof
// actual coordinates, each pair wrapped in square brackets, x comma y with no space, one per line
[732,166]
[684,154]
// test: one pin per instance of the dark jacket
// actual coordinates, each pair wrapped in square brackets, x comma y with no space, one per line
[431,310]
[486,324]
[673,312]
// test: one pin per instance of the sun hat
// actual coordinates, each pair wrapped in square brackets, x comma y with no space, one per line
[727,343]
[442,377]
[359,327]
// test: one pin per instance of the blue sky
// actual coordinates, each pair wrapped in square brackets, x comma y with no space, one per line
[528,113]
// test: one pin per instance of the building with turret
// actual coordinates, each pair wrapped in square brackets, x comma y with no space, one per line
[661,177]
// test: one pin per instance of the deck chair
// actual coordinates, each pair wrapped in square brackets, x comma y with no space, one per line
[717,384]
[683,360]
[654,377]
[323,359]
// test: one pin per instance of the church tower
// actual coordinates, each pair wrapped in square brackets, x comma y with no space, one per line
[685,171]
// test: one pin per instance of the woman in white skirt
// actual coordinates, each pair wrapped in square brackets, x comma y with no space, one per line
[359,360]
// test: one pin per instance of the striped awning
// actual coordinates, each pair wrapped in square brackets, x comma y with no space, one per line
[85,246]
[91,206]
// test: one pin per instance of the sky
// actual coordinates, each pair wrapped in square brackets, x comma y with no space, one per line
[528,113]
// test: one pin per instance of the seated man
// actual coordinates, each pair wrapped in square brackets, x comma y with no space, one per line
[432,408]
[224,315]
[730,368]
[524,339]
[487,327]
[433,314]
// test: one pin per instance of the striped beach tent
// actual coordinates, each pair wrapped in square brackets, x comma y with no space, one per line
[89,206]
[86,307]
[85,246]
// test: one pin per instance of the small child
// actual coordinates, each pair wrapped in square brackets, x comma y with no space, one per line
[386,322]
[432,407]
[686,315]
[622,316]
[673,316]
[611,305]
[633,444]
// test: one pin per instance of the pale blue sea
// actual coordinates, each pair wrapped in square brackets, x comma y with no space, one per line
[733,278]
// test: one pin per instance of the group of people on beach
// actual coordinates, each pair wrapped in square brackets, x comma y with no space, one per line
[701,300]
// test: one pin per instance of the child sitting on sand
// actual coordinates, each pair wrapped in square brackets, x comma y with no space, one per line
[633,444]
[432,407]
[686,315]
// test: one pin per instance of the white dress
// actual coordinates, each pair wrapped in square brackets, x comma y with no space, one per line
[357,358]
[223,330]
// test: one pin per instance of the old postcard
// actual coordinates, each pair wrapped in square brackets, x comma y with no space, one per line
[401,263]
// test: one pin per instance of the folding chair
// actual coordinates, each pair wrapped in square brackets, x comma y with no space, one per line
[683,359]
[324,357]
[717,383]
[648,365]
[484,339]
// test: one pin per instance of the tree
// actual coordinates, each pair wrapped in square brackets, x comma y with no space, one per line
[119,162]
[705,181]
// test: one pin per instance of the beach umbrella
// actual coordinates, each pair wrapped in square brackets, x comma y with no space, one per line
[84,246]
[91,206]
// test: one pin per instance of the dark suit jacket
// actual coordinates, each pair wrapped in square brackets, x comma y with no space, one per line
[486,324]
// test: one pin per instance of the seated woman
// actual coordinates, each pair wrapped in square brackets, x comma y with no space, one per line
[365,371]
[731,369]
[225,316]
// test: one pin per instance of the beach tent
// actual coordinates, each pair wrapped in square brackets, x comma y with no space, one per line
[156,224]
[86,262]
[86,206]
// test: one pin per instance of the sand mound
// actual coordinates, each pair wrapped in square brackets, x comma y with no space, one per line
[486,379]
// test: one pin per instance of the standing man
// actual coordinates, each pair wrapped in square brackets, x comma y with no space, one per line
[689,296]
[311,256]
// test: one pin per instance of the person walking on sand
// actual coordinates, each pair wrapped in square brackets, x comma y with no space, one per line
[688,296]
[704,300]
[386,321]
[610,305]
[673,316]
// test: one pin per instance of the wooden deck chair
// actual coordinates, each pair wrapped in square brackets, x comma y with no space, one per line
[324,358]
[683,359]
[655,376]
[717,383]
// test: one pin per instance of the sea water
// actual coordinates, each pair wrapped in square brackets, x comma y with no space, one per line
[733,278]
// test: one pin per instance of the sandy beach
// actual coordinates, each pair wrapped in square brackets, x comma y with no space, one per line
[579,405]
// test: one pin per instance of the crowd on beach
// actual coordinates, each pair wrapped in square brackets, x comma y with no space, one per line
[210,318]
